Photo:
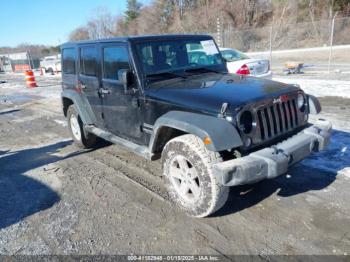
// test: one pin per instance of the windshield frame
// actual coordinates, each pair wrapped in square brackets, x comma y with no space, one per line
[221,68]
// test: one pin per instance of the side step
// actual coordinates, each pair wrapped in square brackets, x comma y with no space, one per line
[137,149]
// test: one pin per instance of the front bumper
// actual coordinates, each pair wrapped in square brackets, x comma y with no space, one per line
[274,161]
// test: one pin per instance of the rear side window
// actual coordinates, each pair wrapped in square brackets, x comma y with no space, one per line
[68,59]
[114,59]
[88,61]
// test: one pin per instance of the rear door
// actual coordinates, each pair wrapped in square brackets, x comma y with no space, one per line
[89,79]
[122,114]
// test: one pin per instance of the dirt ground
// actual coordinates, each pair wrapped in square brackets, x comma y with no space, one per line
[58,199]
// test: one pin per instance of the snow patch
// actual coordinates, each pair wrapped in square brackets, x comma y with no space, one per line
[297,50]
[60,122]
[8,85]
[336,157]
[320,88]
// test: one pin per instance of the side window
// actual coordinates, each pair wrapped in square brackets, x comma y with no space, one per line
[114,59]
[147,55]
[68,59]
[88,61]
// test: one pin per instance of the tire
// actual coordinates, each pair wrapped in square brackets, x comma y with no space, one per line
[81,138]
[50,71]
[188,163]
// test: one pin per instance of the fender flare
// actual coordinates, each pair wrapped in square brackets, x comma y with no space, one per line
[82,105]
[314,105]
[222,133]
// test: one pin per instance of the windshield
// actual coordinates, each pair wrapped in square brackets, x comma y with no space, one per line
[233,55]
[158,57]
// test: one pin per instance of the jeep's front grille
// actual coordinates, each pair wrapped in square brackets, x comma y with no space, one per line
[277,119]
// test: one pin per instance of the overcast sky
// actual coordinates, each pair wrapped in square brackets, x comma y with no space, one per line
[48,22]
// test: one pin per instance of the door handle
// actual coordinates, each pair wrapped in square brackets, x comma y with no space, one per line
[80,85]
[104,91]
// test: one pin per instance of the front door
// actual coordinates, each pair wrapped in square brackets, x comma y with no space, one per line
[121,111]
[89,79]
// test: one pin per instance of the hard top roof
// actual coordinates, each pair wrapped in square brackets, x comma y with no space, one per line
[136,39]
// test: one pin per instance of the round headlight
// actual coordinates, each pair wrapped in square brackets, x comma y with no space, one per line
[246,122]
[301,100]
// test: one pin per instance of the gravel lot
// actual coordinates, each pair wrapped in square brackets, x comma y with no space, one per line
[57,199]
[315,59]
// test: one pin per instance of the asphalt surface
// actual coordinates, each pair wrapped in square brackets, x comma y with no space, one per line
[58,199]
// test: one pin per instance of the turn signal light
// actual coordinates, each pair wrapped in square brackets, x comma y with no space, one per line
[207,141]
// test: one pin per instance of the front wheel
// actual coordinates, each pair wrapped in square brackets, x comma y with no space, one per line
[81,137]
[187,168]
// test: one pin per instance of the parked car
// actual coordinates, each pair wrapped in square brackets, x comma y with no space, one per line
[51,64]
[240,63]
[211,129]
[58,66]
[200,57]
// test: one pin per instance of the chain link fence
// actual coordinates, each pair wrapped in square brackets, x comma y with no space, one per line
[322,46]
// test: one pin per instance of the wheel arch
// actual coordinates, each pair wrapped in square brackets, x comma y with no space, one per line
[314,104]
[66,103]
[70,97]
[222,134]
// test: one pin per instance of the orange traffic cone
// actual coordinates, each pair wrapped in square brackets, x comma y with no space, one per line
[30,79]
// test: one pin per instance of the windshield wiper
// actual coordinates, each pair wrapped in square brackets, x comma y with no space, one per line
[166,74]
[201,69]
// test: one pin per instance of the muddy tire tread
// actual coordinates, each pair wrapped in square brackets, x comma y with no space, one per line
[219,192]
[88,140]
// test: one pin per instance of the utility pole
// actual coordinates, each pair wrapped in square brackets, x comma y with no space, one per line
[218,31]
[331,44]
[271,31]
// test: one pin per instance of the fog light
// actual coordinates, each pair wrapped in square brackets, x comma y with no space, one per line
[229,118]
[247,142]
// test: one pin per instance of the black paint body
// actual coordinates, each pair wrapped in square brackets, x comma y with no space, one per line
[126,114]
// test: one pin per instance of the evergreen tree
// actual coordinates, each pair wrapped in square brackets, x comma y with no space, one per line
[132,11]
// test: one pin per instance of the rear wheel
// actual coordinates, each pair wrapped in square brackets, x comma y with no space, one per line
[81,137]
[187,168]
[50,71]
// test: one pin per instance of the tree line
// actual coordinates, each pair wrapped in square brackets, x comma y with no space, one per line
[201,16]
[195,16]
[34,50]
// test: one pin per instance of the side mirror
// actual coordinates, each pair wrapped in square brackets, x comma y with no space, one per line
[125,77]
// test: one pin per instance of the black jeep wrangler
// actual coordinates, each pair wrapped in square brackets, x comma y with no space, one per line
[161,98]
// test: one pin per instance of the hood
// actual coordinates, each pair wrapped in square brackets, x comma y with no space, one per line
[207,92]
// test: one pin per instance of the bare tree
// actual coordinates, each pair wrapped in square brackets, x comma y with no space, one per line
[198,16]
[81,33]
[102,25]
